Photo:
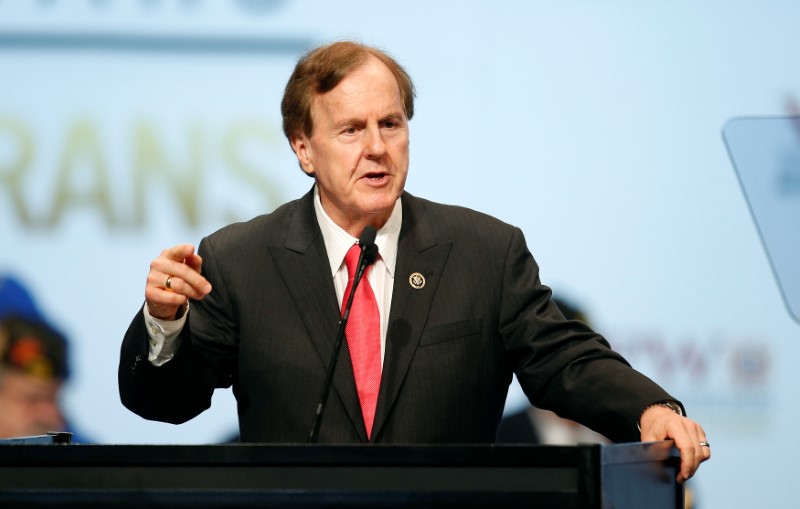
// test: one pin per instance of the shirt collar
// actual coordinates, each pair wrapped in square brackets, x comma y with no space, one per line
[338,242]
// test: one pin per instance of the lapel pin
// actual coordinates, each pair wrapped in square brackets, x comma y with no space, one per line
[416,280]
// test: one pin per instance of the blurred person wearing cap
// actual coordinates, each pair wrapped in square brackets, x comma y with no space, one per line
[33,366]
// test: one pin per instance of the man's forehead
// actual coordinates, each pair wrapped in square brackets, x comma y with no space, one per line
[360,88]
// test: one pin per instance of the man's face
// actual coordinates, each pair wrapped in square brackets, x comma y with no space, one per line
[359,148]
[28,405]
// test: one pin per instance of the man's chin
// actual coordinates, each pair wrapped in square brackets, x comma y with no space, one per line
[384,205]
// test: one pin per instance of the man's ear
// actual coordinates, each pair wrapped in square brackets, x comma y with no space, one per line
[302,149]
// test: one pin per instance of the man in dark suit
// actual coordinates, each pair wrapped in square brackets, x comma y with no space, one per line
[458,303]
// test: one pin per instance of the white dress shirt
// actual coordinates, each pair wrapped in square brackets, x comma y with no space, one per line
[165,334]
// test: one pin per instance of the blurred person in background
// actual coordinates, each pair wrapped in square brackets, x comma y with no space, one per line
[33,366]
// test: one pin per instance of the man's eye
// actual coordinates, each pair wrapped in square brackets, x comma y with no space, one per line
[350,130]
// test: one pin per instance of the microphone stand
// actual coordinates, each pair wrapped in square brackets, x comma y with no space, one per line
[369,252]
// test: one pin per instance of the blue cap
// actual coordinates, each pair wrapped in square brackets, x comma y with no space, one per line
[16,301]
[27,341]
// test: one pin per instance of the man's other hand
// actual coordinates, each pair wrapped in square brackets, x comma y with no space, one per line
[661,423]
[174,278]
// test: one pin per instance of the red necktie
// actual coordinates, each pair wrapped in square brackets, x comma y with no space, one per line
[363,333]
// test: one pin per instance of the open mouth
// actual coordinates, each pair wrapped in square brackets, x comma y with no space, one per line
[374,177]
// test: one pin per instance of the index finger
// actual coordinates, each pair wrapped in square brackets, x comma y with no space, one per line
[180,252]
[194,261]
[689,462]
[182,268]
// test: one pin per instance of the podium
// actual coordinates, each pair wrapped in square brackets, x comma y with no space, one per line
[348,476]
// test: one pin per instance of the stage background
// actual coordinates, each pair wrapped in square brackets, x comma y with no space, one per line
[130,126]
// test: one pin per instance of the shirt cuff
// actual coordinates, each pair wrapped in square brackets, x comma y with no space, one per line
[163,337]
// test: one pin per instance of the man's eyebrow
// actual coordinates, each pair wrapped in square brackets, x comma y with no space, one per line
[341,124]
[398,117]
[346,123]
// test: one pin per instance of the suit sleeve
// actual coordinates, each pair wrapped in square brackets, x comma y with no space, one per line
[182,388]
[563,365]
[174,392]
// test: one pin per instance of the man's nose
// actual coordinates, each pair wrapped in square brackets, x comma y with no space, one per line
[374,144]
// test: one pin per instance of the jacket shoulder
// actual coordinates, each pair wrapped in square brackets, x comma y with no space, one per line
[458,221]
[263,230]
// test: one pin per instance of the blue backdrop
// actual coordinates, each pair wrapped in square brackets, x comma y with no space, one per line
[127,127]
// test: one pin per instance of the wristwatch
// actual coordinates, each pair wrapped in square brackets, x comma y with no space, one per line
[667,403]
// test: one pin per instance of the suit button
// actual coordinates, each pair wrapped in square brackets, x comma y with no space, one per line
[137,361]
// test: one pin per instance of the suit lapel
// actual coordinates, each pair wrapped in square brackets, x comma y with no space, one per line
[304,267]
[418,251]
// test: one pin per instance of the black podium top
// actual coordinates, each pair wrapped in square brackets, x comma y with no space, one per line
[292,476]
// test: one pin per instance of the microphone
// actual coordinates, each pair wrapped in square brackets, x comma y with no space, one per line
[369,253]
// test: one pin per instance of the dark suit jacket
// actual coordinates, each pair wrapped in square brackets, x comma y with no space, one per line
[269,324]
